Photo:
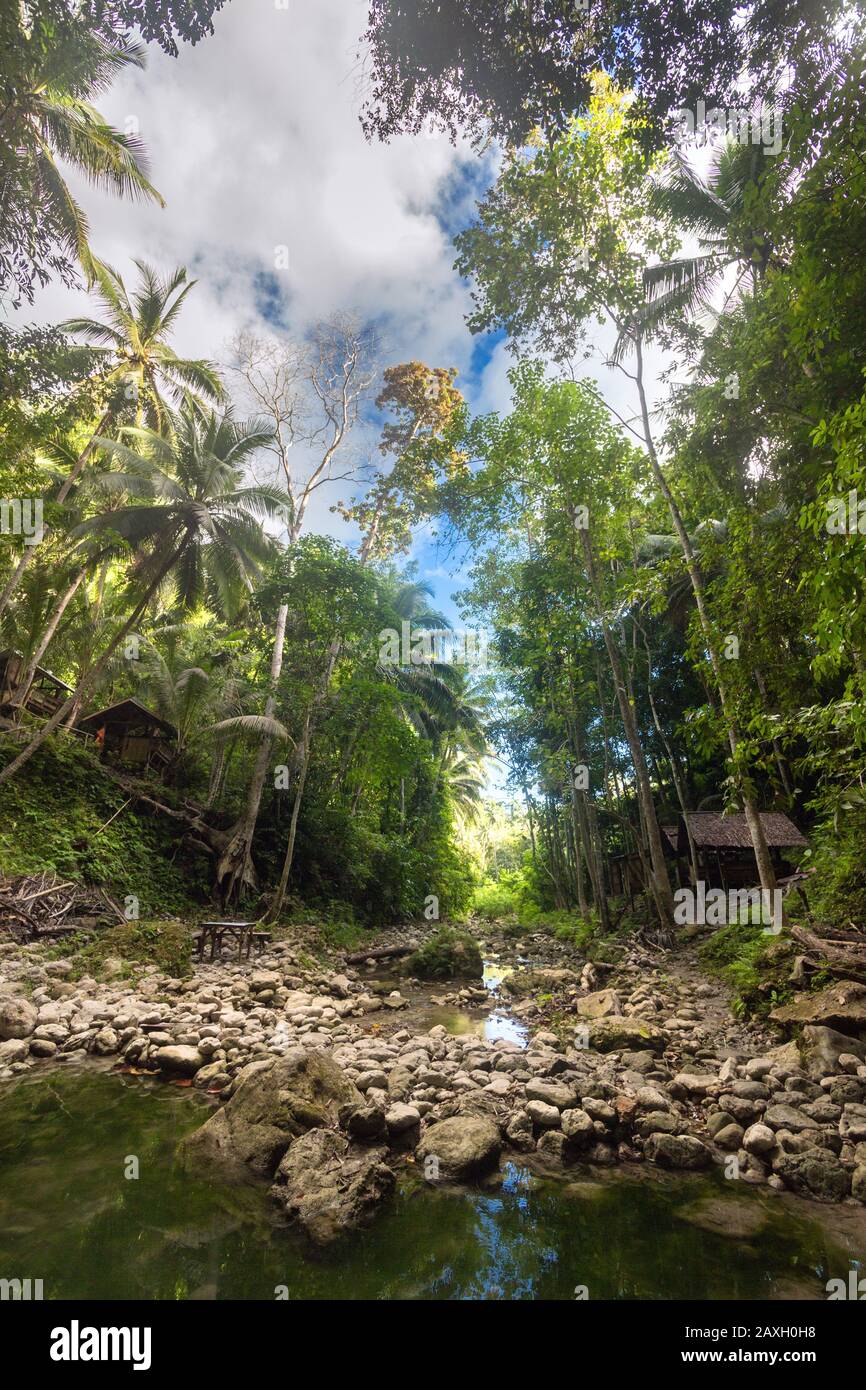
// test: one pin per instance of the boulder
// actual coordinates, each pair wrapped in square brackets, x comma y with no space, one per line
[814,1173]
[841,1006]
[615,1034]
[676,1151]
[182,1059]
[449,955]
[821,1048]
[600,1004]
[463,1146]
[272,1106]
[328,1187]
[541,981]
[17,1017]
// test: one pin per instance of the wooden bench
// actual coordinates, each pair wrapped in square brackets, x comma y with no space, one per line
[243,932]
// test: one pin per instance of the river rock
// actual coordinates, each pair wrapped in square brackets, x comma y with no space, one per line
[328,1187]
[543,1115]
[614,1034]
[821,1048]
[676,1151]
[363,1122]
[730,1137]
[814,1173]
[400,1118]
[759,1139]
[17,1017]
[551,1093]
[464,1145]
[852,1125]
[182,1059]
[519,1131]
[787,1117]
[578,1128]
[274,1105]
[841,1006]
[600,1004]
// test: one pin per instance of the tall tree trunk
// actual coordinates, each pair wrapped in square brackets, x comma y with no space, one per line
[675,776]
[660,882]
[53,623]
[304,754]
[753,819]
[580,854]
[235,870]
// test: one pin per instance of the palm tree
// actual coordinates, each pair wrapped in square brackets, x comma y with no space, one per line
[714,210]
[463,775]
[132,339]
[47,117]
[139,363]
[189,518]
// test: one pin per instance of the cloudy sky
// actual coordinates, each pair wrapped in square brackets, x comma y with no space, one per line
[255,144]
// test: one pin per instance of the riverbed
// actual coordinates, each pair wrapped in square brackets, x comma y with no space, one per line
[93,1203]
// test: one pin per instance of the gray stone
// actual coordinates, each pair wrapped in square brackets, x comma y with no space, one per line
[276,1102]
[17,1017]
[814,1173]
[400,1118]
[329,1188]
[181,1059]
[543,1115]
[578,1128]
[680,1151]
[759,1139]
[463,1145]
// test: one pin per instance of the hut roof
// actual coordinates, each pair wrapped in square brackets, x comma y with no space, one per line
[713,831]
[124,712]
[42,672]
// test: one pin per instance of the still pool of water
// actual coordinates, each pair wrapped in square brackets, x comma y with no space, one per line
[70,1216]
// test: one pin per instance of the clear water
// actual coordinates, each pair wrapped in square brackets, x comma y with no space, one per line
[498,1025]
[69,1216]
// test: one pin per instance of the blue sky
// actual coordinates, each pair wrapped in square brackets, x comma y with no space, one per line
[255,143]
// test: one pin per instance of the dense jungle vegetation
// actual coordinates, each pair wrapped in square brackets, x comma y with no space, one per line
[671,587]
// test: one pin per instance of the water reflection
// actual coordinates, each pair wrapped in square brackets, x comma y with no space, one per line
[67,1211]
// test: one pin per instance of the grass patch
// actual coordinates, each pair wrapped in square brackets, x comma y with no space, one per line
[165,944]
[54,814]
[753,963]
[448,955]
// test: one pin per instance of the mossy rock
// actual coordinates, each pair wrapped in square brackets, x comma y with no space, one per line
[166,944]
[736,1217]
[449,955]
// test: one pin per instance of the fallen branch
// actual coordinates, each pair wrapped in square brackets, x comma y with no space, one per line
[381,953]
[845,964]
